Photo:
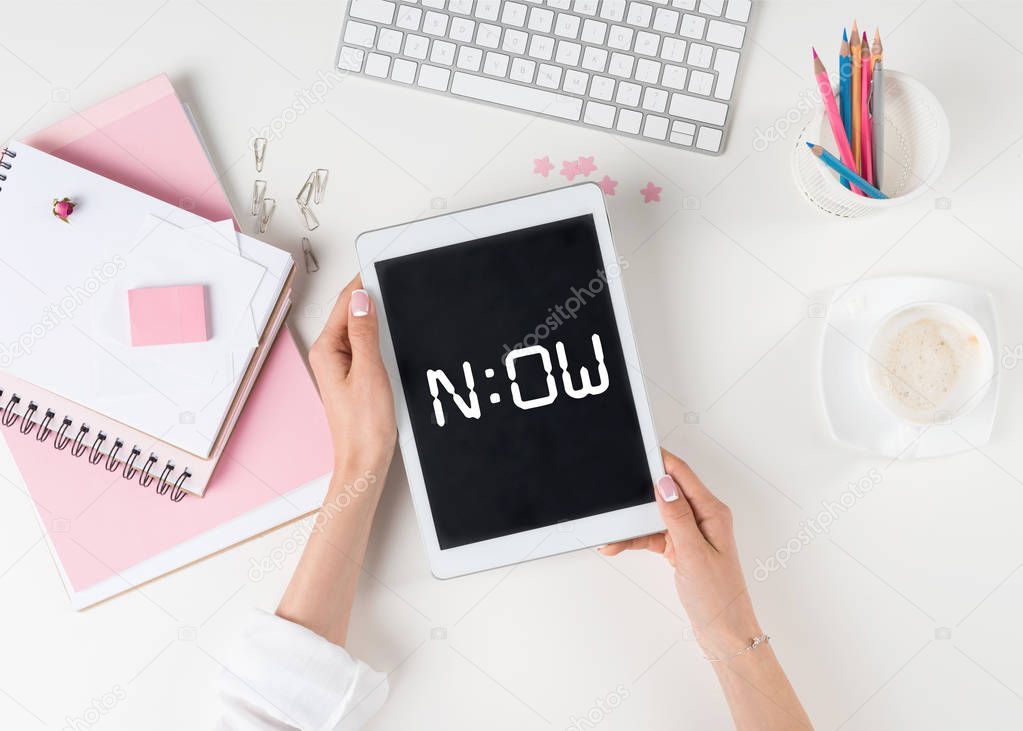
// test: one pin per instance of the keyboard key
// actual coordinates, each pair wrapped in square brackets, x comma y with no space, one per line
[666,21]
[602,87]
[683,128]
[390,40]
[725,63]
[655,127]
[350,59]
[541,47]
[560,4]
[725,34]
[647,71]
[684,4]
[566,26]
[433,77]
[613,10]
[514,14]
[700,82]
[377,11]
[549,76]
[738,10]
[403,70]
[639,14]
[629,121]
[673,49]
[433,3]
[695,108]
[462,7]
[568,53]
[522,69]
[709,139]
[515,95]
[408,18]
[462,30]
[515,41]
[416,46]
[601,115]
[435,24]
[628,93]
[700,55]
[621,65]
[647,43]
[488,9]
[495,64]
[620,38]
[377,64]
[443,53]
[692,26]
[674,77]
[709,7]
[488,36]
[360,34]
[593,32]
[541,20]
[585,7]
[594,59]
[469,58]
[655,100]
[575,81]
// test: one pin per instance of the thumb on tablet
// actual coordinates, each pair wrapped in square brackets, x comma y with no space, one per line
[363,333]
[677,514]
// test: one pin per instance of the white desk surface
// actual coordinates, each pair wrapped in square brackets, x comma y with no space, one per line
[904,615]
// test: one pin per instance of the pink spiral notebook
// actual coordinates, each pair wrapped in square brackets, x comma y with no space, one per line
[107,534]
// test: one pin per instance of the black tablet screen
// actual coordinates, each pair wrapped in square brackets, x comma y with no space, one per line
[533,442]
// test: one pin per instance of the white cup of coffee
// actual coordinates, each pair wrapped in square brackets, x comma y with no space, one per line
[930,363]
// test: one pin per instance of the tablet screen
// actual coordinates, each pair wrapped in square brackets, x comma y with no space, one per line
[515,379]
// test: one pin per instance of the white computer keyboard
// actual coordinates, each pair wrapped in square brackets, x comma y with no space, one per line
[661,70]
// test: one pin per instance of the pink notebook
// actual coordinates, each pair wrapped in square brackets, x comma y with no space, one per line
[107,534]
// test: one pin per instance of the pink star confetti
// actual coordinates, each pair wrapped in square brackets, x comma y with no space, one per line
[586,165]
[607,185]
[570,168]
[543,166]
[651,193]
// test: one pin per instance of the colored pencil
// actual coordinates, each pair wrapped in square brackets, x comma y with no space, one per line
[877,107]
[866,130]
[854,47]
[835,164]
[831,109]
[844,91]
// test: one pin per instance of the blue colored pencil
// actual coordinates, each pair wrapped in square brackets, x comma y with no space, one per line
[845,89]
[835,164]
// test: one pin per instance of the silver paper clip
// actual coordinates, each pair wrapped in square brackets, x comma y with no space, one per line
[311,265]
[311,221]
[266,212]
[259,147]
[258,194]
[320,186]
[306,193]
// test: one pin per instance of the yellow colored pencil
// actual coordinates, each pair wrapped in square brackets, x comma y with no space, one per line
[856,71]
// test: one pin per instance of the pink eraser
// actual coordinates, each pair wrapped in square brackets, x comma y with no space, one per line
[167,315]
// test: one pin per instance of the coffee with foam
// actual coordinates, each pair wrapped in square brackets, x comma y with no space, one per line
[930,363]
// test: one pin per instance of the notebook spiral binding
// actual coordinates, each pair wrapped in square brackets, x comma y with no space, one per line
[78,446]
[4,164]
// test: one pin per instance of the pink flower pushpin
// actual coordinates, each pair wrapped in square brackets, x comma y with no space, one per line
[63,208]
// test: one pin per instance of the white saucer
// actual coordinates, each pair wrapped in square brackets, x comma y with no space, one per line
[855,416]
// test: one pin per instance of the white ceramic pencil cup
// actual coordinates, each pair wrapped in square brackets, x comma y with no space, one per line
[916,146]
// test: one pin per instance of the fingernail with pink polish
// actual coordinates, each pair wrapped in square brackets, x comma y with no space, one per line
[360,303]
[668,489]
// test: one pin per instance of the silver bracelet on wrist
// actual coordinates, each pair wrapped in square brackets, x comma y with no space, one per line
[753,644]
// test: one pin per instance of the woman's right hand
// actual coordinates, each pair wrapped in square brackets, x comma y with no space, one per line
[700,545]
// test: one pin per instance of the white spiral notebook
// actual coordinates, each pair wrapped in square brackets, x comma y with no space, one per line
[67,369]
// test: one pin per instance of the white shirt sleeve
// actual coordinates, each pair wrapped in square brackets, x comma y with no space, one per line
[284,676]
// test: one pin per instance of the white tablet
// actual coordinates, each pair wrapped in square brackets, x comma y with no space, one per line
[522,415]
